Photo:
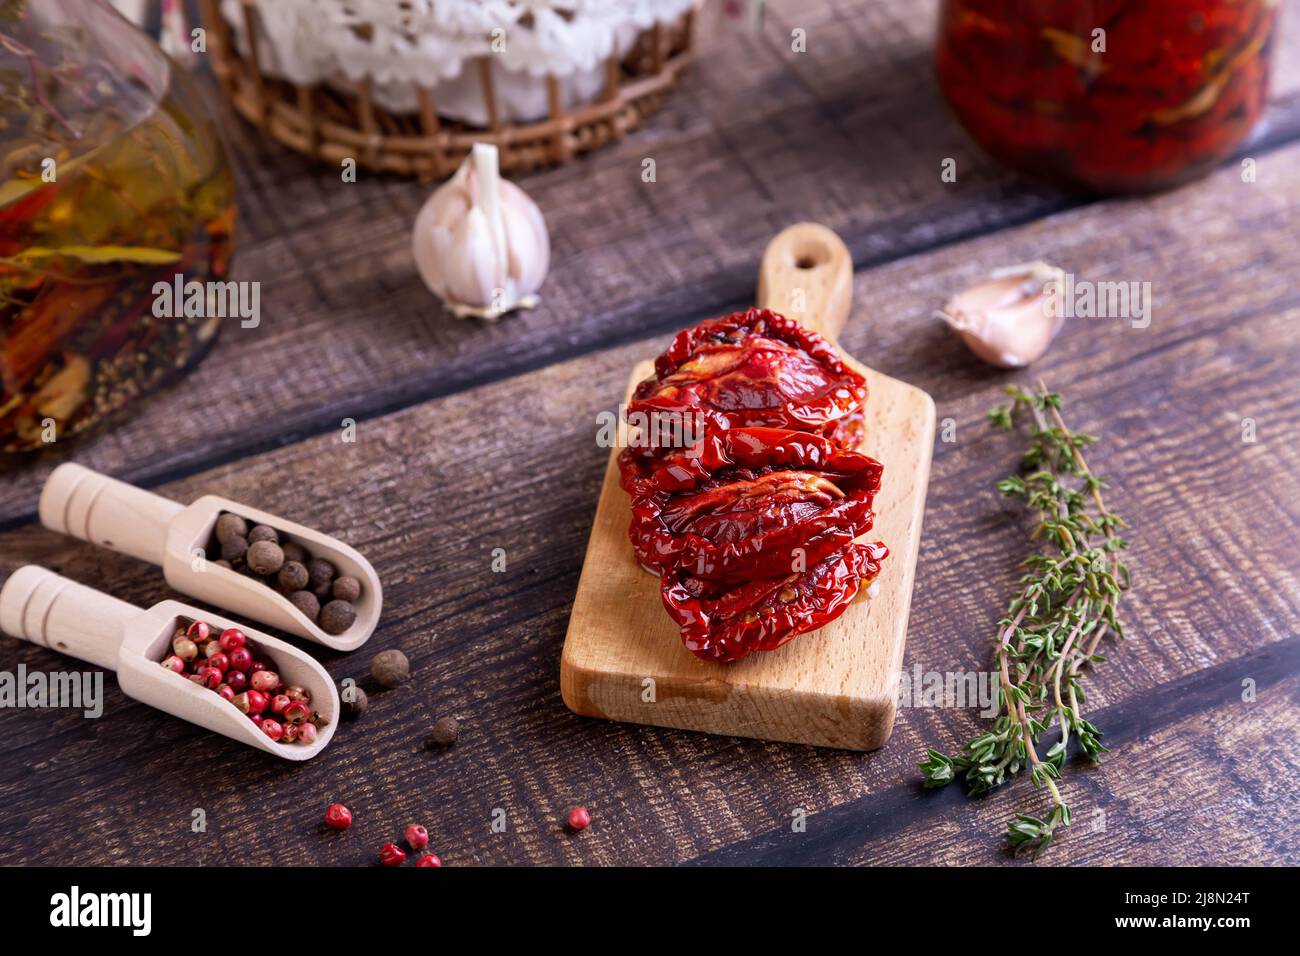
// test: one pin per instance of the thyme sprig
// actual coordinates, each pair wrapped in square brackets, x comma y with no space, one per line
[1067,602]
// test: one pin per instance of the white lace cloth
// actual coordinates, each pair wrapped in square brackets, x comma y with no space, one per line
[432,43]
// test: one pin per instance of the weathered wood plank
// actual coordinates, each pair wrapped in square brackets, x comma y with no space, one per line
[429,492]
[1197,784]
[850,133]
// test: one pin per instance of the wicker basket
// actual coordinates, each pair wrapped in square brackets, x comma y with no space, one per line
[333,125]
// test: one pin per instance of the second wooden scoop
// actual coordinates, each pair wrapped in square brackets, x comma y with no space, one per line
[45,608]
[124,518]
[835,687]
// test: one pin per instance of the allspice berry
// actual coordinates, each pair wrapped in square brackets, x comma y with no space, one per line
[263,532]
[230,526]
[292,577]
[337,616]
[320,574]
[234,548]
[305,602]
[445,731]
[347,588]
[390,668]
[264,557]
[293,551]
[354,708]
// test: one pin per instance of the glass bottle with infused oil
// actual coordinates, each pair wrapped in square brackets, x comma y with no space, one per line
[112,180]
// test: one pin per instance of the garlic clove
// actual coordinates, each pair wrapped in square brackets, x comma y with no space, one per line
[528,245]
[1010,318]
[470,257]
[430,241]
[480,243]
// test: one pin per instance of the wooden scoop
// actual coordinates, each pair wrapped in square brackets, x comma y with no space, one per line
[130,520]
[40,606]
[836,687]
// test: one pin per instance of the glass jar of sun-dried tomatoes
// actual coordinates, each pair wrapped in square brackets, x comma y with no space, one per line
[1111,95]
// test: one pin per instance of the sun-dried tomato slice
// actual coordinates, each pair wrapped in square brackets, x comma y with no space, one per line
[753,368]
[755,520]
[723,623]
[645,471]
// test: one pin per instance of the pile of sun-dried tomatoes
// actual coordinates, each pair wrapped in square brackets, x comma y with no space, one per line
[749,516]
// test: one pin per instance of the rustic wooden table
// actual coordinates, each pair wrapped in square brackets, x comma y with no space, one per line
[474,437]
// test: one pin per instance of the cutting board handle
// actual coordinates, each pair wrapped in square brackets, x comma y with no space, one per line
[807,275]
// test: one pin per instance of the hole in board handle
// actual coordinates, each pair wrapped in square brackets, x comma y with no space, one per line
[810,255]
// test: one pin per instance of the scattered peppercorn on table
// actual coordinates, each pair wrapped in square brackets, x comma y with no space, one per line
[461,459]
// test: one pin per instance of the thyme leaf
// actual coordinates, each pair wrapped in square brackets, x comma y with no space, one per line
[1067,602]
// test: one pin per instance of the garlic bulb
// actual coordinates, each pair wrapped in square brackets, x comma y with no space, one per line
[480,243]
[1011,317]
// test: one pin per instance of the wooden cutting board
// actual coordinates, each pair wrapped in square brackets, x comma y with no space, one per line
[835,687]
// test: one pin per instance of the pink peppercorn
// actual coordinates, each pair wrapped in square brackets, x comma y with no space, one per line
[278,703]
[338,817]
[417,837]
[307,733]
[220,661]
[237,680]
[231,638]
[265,681]
[197,631]
[429,860]
[579,818]
[225,692]
[390,854]
[174,664]
[290,733]
[296,711]
[272,729]
[240,659]
[209,677]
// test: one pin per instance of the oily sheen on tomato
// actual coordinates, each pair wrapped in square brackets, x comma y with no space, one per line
[753,368]
[721,622]
[744,523]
